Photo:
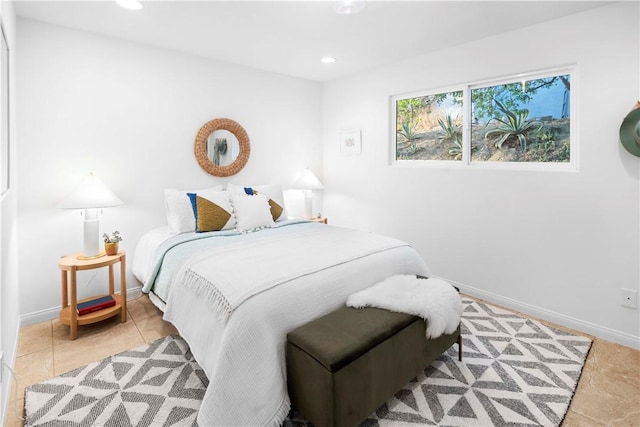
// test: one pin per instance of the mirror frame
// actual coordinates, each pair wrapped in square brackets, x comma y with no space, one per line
[200,147]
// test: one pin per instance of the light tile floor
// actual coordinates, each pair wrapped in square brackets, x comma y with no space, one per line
[608,393]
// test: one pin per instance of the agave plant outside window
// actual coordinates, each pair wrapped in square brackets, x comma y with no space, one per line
[513,124]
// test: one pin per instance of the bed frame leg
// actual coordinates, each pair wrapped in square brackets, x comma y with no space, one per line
[460,347]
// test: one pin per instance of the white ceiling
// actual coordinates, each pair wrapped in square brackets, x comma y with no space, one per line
[290,37]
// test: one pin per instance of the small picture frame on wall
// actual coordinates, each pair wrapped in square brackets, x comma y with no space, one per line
[350,142]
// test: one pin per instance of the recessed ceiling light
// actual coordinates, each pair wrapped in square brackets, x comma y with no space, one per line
[130,4]
[328,60]
[348,7]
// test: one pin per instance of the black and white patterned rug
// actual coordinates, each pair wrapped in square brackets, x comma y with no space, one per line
[515,371]
[153,385]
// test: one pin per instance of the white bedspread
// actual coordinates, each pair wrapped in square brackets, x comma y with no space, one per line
[244,358]
[227,276]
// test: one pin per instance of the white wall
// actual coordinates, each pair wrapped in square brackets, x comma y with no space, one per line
[559,245]
[556,244]
[130,114]
[9,287]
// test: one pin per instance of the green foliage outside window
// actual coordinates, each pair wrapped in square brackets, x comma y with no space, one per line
[521,121]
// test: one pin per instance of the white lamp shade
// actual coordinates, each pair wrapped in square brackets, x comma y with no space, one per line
[308,181]
[90,193]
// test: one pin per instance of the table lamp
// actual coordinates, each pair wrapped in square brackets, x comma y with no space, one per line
[308,182]
[91,195]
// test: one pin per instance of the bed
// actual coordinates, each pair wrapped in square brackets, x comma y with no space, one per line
[234,296]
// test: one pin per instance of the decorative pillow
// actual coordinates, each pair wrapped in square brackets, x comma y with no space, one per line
[212,211]
[273,193]
[178,209]
[251,212]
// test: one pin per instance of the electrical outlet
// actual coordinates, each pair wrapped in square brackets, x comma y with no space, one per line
[629,298]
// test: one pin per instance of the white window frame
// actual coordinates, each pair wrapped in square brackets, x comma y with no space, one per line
[466,162]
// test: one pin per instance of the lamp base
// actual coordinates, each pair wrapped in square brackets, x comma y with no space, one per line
[90,225]
[308,202]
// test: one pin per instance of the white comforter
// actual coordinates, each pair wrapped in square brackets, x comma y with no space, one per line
[238,272]
[244,358]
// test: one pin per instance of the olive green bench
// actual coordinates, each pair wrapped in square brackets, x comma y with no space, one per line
[343,366]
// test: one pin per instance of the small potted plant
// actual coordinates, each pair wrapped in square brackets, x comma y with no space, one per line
[111,242]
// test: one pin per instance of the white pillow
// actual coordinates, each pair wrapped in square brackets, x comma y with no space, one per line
[178,208]
[251,212]
[273,193]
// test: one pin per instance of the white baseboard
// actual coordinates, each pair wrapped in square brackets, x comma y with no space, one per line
[588,328]
[53,312]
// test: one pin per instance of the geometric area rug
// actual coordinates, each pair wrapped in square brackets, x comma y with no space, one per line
[515,371]
[153,385]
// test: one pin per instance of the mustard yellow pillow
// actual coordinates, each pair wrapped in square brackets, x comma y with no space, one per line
[212,211]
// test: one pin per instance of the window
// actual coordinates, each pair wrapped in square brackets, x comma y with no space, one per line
[429,127]
[515,121]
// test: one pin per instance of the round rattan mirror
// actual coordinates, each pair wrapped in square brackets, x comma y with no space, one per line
[222,147]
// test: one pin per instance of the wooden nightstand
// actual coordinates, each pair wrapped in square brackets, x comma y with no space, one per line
[322,220]
[70,264]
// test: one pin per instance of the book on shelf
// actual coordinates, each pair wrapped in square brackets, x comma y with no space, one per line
[95,304]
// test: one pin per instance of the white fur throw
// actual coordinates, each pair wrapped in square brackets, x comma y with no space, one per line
[435,300]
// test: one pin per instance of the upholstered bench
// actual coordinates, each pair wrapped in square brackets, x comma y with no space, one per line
[343,366]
